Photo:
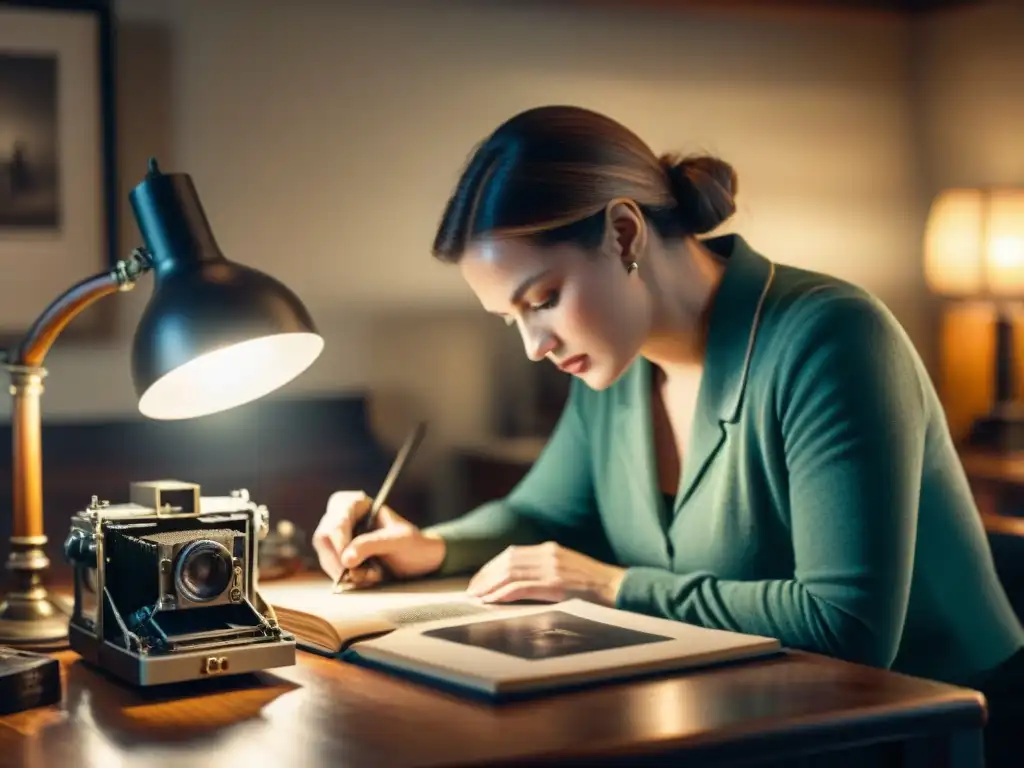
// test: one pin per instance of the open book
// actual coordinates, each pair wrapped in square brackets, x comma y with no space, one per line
[434,631]
[327,623]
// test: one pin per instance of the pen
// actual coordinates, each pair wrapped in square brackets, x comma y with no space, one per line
[369,519]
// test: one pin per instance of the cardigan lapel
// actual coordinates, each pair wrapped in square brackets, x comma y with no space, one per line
[732,328]
[633,436]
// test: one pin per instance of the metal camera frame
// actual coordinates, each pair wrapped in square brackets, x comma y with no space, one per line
[262,645]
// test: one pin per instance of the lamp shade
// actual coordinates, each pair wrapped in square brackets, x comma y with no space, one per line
[215,334]
[974,242]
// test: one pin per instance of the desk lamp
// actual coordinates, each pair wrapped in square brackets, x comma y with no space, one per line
[974,249]
[214,335]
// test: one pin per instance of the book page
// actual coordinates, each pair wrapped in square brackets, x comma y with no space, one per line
[307,607]
[551,645]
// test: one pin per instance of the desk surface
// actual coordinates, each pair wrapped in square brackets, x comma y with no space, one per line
[324,712]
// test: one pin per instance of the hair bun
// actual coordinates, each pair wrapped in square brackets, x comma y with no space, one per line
[704,188]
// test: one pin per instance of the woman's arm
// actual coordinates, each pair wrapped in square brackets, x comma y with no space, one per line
[554,501]
[852,414]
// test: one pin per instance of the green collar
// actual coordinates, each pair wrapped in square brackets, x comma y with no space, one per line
[732,325]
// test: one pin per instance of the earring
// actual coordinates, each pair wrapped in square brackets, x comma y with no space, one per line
[631,267]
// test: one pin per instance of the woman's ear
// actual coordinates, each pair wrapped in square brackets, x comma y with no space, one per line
[625,232]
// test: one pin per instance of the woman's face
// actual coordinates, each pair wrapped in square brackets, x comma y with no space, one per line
[581,310]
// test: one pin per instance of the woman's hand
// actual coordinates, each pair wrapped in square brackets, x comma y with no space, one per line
[403,548]
[546,572]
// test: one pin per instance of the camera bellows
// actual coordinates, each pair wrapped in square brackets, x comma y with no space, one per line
[193,566]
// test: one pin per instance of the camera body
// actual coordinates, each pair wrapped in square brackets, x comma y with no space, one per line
[165,586]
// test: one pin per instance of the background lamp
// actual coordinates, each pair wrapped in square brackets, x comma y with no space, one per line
[214,335]
[974,249]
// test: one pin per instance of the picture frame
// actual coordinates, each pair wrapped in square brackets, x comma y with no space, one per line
[58,171]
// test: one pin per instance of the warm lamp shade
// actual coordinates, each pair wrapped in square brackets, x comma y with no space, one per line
[215,334]
[974,243]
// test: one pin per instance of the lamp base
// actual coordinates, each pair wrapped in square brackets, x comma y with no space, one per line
[37,621]
[31,618]
[1001,431]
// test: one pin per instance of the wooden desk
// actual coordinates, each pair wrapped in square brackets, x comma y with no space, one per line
[997,481]
[795,711]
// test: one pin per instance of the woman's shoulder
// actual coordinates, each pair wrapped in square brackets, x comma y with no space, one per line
[817,322]
[807,306]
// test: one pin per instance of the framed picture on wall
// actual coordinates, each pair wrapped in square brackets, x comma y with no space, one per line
[58,180]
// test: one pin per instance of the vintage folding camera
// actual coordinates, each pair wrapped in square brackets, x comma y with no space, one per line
[166,586]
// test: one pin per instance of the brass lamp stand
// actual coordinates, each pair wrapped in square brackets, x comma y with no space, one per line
[30,616]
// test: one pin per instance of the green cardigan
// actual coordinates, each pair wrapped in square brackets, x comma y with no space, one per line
[821,501]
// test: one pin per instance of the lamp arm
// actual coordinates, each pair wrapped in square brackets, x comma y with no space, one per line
[29,615]
[40,337]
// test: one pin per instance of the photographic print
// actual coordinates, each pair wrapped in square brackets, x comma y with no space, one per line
[29,175]
[544,635]
[57,173]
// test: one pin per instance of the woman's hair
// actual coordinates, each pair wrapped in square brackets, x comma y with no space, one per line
[548,173]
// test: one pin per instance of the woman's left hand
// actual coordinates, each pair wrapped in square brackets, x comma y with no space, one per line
[546,572]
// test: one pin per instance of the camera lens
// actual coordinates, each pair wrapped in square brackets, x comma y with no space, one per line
[203,571]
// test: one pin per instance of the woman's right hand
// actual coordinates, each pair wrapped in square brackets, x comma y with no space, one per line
[405,550]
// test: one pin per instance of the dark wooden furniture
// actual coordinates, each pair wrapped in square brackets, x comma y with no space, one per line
[795,710]
[997,483]
[491,470]
[289,453]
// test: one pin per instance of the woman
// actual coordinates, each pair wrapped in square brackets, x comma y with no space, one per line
[747,445]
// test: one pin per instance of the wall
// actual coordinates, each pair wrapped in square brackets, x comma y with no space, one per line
[972,86]
[324,137]
[971,81]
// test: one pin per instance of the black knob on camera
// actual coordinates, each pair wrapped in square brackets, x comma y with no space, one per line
[80,548]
